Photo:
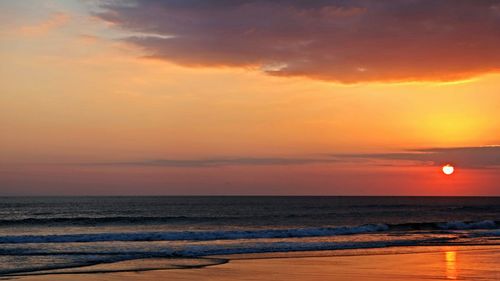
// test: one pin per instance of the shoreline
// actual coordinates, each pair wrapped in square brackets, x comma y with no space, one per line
[408,263]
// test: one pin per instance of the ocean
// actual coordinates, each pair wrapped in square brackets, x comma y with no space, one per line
[41,235]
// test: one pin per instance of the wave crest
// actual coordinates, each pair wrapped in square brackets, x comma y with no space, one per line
[245,234]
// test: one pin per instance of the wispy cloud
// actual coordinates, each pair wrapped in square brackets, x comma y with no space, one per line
[346,41]
[224,161]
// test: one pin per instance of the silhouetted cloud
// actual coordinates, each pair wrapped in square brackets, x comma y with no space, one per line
[464,157]
[338,40]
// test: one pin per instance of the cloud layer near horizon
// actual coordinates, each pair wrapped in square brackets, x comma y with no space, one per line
[226,161]
[481,157]
[337,40]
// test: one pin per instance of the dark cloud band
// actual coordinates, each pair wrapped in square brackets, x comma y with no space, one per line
[482,157]
[225,161]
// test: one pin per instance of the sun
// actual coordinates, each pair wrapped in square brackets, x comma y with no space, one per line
[448,169]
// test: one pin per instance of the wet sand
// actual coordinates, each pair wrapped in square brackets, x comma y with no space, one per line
[436,263]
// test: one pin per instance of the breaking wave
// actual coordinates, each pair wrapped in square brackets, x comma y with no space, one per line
[245,234]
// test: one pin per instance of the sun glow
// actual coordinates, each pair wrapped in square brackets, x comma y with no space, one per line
[448,169]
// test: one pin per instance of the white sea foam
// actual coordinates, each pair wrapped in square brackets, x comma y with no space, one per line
[197,251]
[194,235]
[244,234]
[460,225]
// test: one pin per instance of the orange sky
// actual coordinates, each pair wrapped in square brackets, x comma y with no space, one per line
[86,110]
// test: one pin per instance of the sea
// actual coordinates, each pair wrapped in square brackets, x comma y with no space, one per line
[47,235]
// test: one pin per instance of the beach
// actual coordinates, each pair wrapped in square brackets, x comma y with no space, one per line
[412,263]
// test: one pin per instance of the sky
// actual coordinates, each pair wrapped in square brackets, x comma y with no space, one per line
[205,97]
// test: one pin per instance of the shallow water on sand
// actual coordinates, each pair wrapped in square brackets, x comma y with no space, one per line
[407,263]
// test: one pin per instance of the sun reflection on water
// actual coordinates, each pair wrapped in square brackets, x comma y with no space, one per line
[451,265]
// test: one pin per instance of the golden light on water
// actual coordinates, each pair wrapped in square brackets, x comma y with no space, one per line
[451,265]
